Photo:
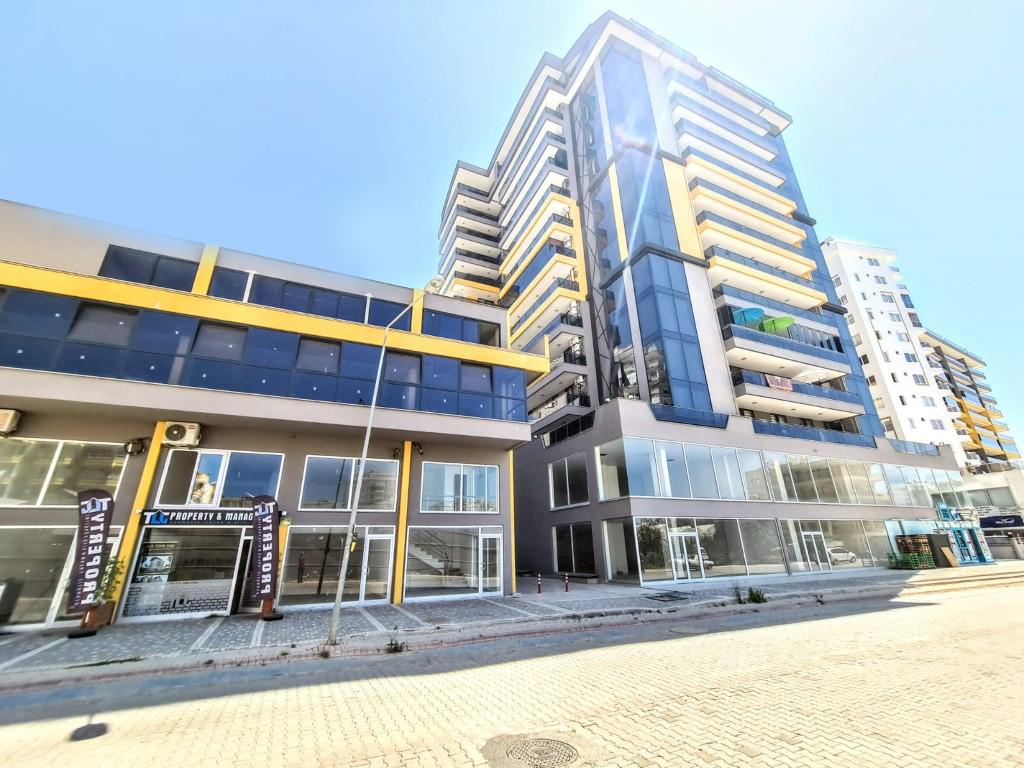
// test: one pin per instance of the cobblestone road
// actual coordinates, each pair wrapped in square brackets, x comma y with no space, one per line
[938,681]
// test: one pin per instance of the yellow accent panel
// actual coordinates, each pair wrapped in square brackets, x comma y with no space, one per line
[512,515]
[474,285]
[757,242]
[282,546]
[531,230]
[748,211]
[737,179]
[416,321]
[620,226]
[208,307]
[126,549]
[718,261]
[524,262]
[561,293]
[204,274]
[403,524]
[682,210]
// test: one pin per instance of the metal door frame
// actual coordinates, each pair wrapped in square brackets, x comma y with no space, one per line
[683,536]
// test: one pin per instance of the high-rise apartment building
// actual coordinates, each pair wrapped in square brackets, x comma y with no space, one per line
[706,412]
[985,437]
[885,329]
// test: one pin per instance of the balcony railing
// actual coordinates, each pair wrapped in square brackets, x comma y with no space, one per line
[909,446]
[571,357]
[716,250]
[739,293]
[478,279]
[753,377]
[782,342]
[478,235]
[566,318]
[813,433]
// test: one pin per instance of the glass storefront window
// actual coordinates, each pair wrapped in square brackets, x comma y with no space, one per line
[823,482]
[313,561]
[843,481]
[459,488]
[701,470]
[52,472]
[762,546]
[721,548]
[898,486]
[878,484]
[443,562]
[31,563]
[727,470]
[878,541]
[752,473]
[640,467]
[655,557]
[611,464]
[184,570]
[621,542]
[223,479]
[574,548]
[780,480]
[568,481]
[675,482]
[802,478]
[329,483]
[847,546]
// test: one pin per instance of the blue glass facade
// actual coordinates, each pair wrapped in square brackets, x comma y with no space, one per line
[47,332]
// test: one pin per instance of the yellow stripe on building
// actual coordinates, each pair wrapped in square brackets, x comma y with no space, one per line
[403,524]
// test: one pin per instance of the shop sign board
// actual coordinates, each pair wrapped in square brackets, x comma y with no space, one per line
[95,510]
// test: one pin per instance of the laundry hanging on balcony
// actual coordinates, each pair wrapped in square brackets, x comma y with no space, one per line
[749,316]
[777,325]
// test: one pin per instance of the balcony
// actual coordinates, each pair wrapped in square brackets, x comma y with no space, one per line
[749,349]
[688,110]
[695,137]
[730,235]
[756,392]
[757,299]
[700,165]
[565,406]
[556,299]
[758,278]
[707,196]
[561,331]
[909,446]
[569,369]
[813,433]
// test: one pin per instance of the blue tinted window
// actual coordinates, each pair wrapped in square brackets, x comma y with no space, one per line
[128,264]
[509,382]
[177,274]
[103,325]
[646,208]
[476,405]
[355,391]
[359,361]
[627,100]
[271,348]
[397,396]
[228,283]
[27,352]
[440,372]
[442,324]
[38,314]
[266,291]
[225,342]
[147,366]
[214,374]
[296,297]
[324,303]
[351,307]
[314,386]
[160,332]
[90,360]
[402,368]
[318,356]
[383,312]
[266,381]
[475,378]
[249,475]
[512,410]
[439,401]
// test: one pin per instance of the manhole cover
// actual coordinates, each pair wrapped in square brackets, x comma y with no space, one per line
[542,753]
[667,597]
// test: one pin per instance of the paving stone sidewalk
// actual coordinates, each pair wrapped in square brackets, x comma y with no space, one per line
[369,627]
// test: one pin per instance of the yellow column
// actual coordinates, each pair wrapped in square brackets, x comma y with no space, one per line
[131,531]
[512,516]
[417,311]
[398,577]
[204,274]
[620,225]
[682,209]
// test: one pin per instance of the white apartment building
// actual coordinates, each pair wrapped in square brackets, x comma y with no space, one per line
[885,328]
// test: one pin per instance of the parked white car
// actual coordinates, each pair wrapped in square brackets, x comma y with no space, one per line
[841,555]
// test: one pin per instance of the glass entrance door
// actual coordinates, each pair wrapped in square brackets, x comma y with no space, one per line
[686,559]
[490,564]
[376,574]
[241,601]
[815,552]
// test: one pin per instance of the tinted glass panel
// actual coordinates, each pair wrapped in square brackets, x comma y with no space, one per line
[271,348]
[702,471]
[402,368]
[440,372]
[359,361]
[38,314]
[248,475]
[26,352]
[266,381]
[266,291]
[296,297]
[509,382]
[214,374]
[383,312]
[103,325]
[511,410]
[224,342]
[351,307]
[148,366]
[397,396]
[327,483]
[355,391]
[439,401]
[476,405]
[90,360]
[324,303]
[319,356]
[176,274]
[127,264]
[475,378]
[159,332]
[228,283]
[442,324]
[314,386]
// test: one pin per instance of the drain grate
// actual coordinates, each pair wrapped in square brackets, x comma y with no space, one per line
[542,753]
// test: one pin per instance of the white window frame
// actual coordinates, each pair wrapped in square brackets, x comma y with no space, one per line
[564,461]
[53,467]
[351,484]
[226,453]
[481,535]
[461,498]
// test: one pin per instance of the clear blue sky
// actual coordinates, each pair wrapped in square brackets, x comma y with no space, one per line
[326,133]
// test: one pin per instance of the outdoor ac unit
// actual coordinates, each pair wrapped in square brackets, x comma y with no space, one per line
[182,435]
[9,419]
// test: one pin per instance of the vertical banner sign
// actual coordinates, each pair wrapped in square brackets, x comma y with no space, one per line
[266,520]
[95,509]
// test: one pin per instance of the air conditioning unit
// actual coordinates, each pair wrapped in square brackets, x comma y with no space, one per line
[182,435]
[9,419]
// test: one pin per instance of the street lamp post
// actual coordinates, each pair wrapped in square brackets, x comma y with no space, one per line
[332,638]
